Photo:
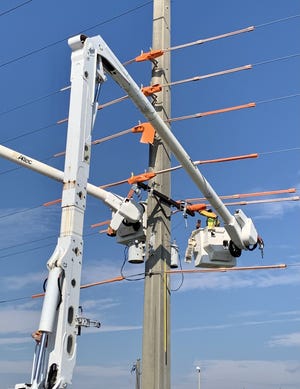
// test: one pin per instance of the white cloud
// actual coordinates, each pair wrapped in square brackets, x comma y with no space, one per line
[108,328]
[287,340]
[95,376]
[99,304]
[102,371]
[19,282]
[254,374]
[10,341]
[106,270]
[19,321]
[41,220]
[276,209]
[257,279]
[99,272]
[288,313]
[238,324]
[11,367]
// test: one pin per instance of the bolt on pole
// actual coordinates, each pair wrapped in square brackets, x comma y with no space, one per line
[156,341]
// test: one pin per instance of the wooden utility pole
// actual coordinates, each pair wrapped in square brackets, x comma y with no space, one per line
[156,342]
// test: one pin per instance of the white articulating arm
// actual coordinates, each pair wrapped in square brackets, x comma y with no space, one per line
[131,210]
[60,321]
[240,229]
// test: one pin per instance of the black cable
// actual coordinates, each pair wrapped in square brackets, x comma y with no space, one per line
[35,248]
[29,133]
[45,284]
[182,277]
[124,261]
[30,102]
[26,251]
[16,299]
[129,277]
[21,211]
[25,243]
[14,8]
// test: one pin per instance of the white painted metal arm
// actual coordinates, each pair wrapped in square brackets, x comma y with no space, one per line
[240,228]
[55,355]
[131,210]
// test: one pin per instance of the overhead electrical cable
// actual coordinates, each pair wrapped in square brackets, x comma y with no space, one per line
[18,212]
[206,205]
[280,151]
[120,99]
[28,133]
[181,271]
[186,117]
[244,195]
[246,29]
[281,199]
[121,278]
[213,112]
[224,269]
[14,8]
[199,162]
[26,251]
[30,102]
[227,159]
[28,242]
[190,79]
[36,248]
[278,98]
[38,50]
[151,55]
[277,21]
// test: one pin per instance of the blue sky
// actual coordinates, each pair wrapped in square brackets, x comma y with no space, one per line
[242,328]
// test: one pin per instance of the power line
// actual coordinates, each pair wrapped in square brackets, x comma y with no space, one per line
[280,151]
[35,248]
[277,21]
[18,212]
[29,133]
[32,101]
[277,59]
[28,242]
[26,251]
[194,78]
[153,54]
[278,98]
[65,38]
[14,8]
[181,271]
[120,99]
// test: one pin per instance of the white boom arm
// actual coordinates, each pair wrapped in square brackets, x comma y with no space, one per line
[240,229]
[61,320]
[130,210]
